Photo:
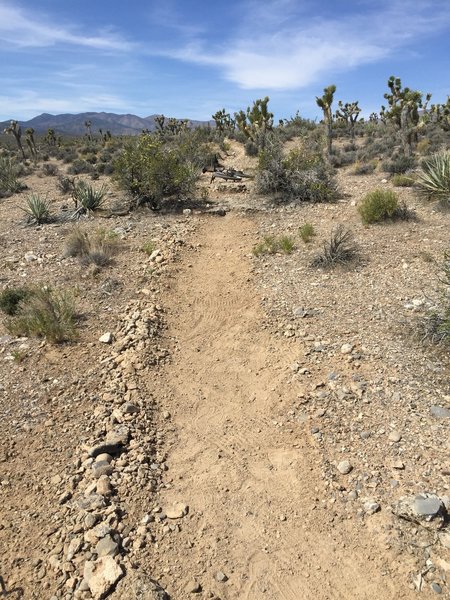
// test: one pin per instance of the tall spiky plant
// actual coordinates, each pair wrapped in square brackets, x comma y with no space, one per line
[325,102]
[349,112]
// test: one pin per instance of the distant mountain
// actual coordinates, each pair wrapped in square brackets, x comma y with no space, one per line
[68,124]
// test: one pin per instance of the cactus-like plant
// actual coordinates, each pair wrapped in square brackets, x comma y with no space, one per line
[325,102]
[15,129]
[223,121]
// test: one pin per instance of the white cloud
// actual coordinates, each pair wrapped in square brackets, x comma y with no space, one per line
[23,30]
[286,49]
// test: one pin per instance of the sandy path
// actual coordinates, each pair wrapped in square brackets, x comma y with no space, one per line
[258,510]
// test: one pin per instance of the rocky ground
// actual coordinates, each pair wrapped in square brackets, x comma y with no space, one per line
[228,426]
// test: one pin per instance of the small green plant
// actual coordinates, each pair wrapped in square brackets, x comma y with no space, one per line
[398,165]
[436,326]
[9,173]
[273,245]
[148,247]
[402,181]
[45,313]
[307,232]
[97,249]
[339,249]
[37,209]
[10,299]
[434,179]
[87,197]
[66,185]
[18,355]
[378,205]
[50,169]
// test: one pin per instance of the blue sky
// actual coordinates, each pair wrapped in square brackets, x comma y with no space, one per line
[190,58]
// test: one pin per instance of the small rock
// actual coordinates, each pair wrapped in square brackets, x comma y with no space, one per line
[346,348]
[436,588]
[193,587]
[395,436]
[106,547]
[345,467]
[177,511]
[440,413]
[221,577]
[102,575]
[371,507]
[106,338]
[399,465]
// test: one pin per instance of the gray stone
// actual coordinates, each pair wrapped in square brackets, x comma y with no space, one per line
[371,507]
[427,505]
[102,575]
[436,588]
[220,577]
[91,502]
[106,338]
[440,412]
[102,468]
[106,547]
[344,467]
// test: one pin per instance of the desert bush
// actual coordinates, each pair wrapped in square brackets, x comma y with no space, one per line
[67,156]
[434,178]
[436,325]
[378,205]
[300,174]
[364,168]
[149,169]
[423,146]
[37,209]
[339,159]
[339,249]
[79,167]
[87,197]
[307,232]
[251,149]
[402,181]
[10,299]
[45,313]
[274,245]
[97,249]
[65,184]
[398,165]
[50,169]
[9,174]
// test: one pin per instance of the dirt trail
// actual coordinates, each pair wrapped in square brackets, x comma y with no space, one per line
[258,503]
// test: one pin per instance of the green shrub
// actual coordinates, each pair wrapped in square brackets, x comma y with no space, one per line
[37,209]
[10,299]
[79,167]
[272,245]
[9,173]
[402,181]
[65,184]
[377,206]
[434,178]
[150,169]
[301,174]
[50,169]
[148,247]
[364,168]
[89,198]
[401,164]
[306,232]
[45,313]
[339,249]
[436,326]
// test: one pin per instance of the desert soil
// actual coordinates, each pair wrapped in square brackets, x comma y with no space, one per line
[234,386]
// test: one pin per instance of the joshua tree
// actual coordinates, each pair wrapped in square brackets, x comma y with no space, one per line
[440,113]
[159,122]
[256,122]
[325,103]
[349,113]
[50,138]
[405,107]
[29,139]
[16,130]
[88,124]
[224,121]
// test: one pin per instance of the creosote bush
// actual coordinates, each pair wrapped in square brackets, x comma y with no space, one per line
[402,181]
[398,165]
[364,168]
[45,313]
[10,299]
[338,250]
[378,205]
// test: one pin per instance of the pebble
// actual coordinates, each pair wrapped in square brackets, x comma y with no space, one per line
[106,338]
[177,511]
[440,413]
[193,587]
[436,588]
[346,348]
[345,467]
[221,577]
[395,436]
[371,507]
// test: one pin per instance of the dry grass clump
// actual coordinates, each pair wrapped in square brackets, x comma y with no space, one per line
[97,249]
[339,249]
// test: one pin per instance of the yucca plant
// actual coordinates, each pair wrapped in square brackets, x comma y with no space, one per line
[87,197]
[37,209]
[434,179]
[339,249]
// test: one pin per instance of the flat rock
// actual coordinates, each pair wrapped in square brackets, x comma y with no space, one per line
[177,511]
[106,338]
[139,586]
[102,575]
[424,508]
[346,348]
[440,412]
[395,436]
[220,577]
[106,547]
[193,587]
